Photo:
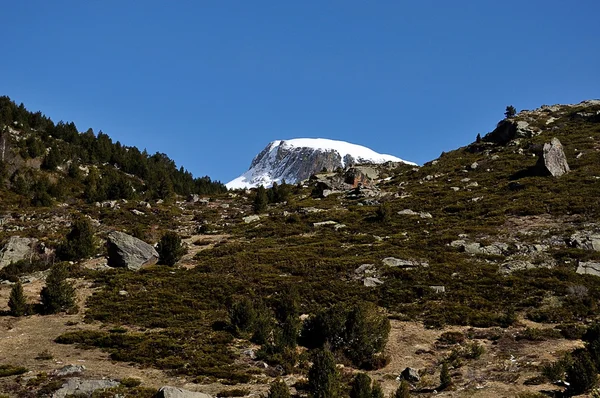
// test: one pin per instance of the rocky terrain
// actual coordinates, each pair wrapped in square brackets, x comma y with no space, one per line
[484,262]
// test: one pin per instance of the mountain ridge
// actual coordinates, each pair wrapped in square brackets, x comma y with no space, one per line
[297,159]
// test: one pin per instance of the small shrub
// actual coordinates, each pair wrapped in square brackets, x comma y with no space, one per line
[323,376]
[236,392]
[449,338]
[44,355]
[9,370]
[79,242]
[377,391]
[278,389]
[581,374]
[130,382]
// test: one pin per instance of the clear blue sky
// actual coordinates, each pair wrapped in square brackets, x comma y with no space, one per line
[210,83]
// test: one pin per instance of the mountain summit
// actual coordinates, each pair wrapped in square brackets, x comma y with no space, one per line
[297,159]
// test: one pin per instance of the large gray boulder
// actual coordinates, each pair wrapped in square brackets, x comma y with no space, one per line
[586,240]
[589,268]
[553,160]
[128,251]
[174,392]
[17,249]
[83,388]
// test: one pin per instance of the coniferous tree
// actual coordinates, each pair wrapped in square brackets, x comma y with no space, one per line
[361,386]
[17,303]
[323,376]
[445,379]
[403,390]
[79,242]
[260,200]
[278,389]
[58,295]
[170,249]
[511,111]
[242,315]
[377,391]
[582,375]
[367,333]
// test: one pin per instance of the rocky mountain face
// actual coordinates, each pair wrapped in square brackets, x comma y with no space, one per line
[296,160]
[486,259]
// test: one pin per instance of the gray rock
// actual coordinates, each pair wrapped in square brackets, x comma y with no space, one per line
[474,166]
[370,281]
[325,223]
[17,249]
[365,269]
[553,160]
[438,289]
[396,262]
[174,392]
[69,370]
[128,251]
[410,374]
[516,265]
[193,198]
[588,268]
[251,219]
[409,212]
[81,387]
[586,241]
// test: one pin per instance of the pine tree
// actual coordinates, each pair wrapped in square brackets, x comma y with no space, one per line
[403,390]
[323,376]
[17,304]
[170,250]
[260,200]
[278,389]
[445,379]
[511,111]
[58,295]
[377,391]
[361,386]
[478,138]
[582,375]
[79,242]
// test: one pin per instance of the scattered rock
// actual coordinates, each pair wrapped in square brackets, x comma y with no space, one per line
[17,249]
[372,282]
[251,219]
[553,160]
[474,166]
[409,212]
[396,262]
[174,392]
[516,265]
[589,268]
[137,212]
[365,269]
[193,198]
[324,223]
[438,289]
[128,251]
[83,388]
[69,370]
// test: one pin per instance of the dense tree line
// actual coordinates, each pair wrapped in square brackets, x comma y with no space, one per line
[65,144]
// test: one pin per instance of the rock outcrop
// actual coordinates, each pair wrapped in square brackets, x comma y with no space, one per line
[82,387]
[552,160]
[17,249]
[129,252]
[589,268]
[174,392]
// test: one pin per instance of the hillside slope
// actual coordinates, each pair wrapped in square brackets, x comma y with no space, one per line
[480,259]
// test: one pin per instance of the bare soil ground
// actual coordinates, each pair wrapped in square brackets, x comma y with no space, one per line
[499,372]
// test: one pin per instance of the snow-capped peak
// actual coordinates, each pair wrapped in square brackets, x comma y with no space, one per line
[297,159]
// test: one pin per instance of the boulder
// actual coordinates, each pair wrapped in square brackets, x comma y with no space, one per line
[589,268]
[17,249]
[358,175]
[552,160]
[410,374]
[251,219]
[83,388]
[128,251]
[372,282]
[438,289]
[174,392]
[507,130]
[396,262]
[69,370]
[585,240]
